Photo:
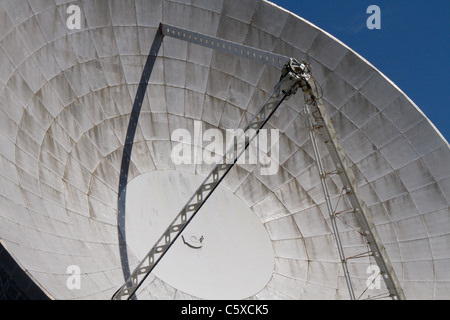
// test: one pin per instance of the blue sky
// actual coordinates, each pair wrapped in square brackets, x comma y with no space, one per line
[412,48]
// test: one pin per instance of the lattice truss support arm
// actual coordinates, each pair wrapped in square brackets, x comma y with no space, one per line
[320,123]
[287,86]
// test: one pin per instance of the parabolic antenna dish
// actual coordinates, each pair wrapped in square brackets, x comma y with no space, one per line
[68,121]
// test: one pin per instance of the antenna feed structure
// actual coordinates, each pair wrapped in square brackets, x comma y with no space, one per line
[295,75]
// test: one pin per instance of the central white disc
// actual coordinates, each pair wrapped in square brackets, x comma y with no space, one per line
[226,252]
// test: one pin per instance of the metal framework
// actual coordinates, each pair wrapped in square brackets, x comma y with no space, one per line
[294,75]
[331,212]
[321,123]
[269,58]
[287,86]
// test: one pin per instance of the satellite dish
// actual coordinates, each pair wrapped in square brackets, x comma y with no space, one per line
[87,121]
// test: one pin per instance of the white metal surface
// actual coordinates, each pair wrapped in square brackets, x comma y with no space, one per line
[65,103]
[236,255]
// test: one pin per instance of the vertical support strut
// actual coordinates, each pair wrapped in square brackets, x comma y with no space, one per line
[320,122]
[286,87]
[322,175]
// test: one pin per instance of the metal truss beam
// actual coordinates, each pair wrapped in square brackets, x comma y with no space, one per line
[321,123]
[275,60]
[323,182]
[287,86]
